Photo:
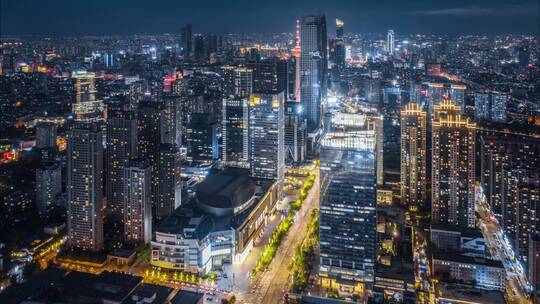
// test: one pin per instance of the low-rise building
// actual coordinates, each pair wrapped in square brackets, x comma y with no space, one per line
[219,226]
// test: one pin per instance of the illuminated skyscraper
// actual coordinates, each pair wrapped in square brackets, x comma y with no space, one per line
[413,156]
[481,106]
[453,166]
[348,205]
[235,132]
[295,133]
[85,187]
[337,47]
[390,42]
[499,105]
[121,147]
[137,202]
[243,82]
[313,68]
[269,76]
[456,93]
[510,178]
[167,185]
[85,89]
[267,136]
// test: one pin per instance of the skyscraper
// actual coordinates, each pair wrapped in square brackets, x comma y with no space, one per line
[269,75]
[186,40]
[313,68]
[121,147]
[295,133]
[243,82]
[510,175]
[48,186]
[199,51]
[266,134]
[481,106]
[137,202]
[85,89]
[453,166]
[85,187]
[413,156]
[167,185]
[348,205]
[390,42]
[499,105]
[235,133]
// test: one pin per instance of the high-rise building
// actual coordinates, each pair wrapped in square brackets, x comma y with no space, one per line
[499,105]
[85,89]
[534,262]
[108,60]
[148,131]
[46,133]
[85,187]
[121,147]
[235,133]
[348,218]
[269,76]
[337,46]
[243,82]
[510,179]
[267,136]
[456,93]
[167,185]
[199,51]
[313,68]
[390,42]
[295,133]
[453,166]
[481,106]
[171,120]
[48,186]
[202,140]
[86,107]
[413,156]
[186,40]
[137,202]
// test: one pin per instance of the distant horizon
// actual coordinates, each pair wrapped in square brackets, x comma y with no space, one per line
[382,34]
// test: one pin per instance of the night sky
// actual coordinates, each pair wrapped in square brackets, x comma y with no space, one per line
[76,17]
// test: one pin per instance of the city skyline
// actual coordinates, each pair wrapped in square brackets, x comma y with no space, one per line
[301,163]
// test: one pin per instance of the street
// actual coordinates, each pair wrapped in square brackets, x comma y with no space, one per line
[518,287]
[271,285]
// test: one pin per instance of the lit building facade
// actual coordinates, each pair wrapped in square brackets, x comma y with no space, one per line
[121,147]
[510,179]
[137,202]
[453,166]
[348,216]
[267,136]
[413,156]
[167,185]
[85,187]
[295,133]
[313,68]
[235,133]
[243,82]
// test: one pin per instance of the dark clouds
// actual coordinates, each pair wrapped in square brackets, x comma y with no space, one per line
[75,17]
